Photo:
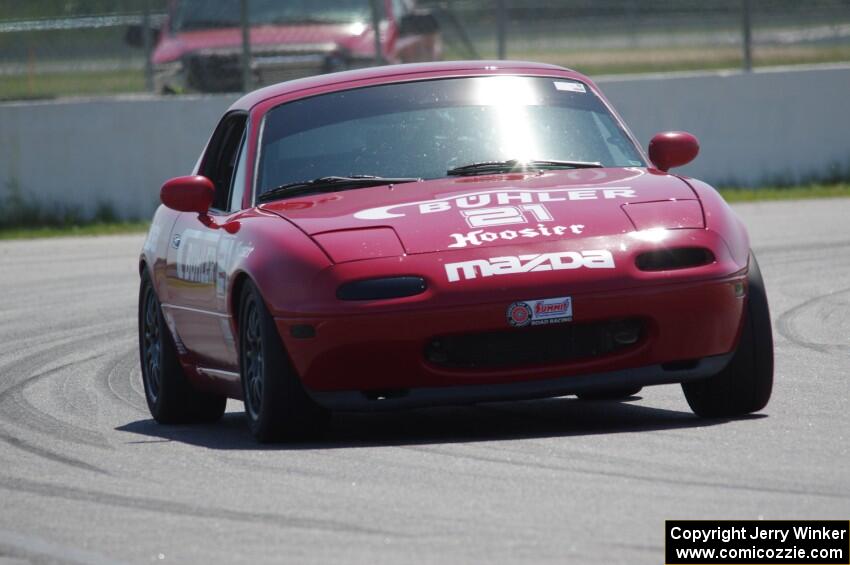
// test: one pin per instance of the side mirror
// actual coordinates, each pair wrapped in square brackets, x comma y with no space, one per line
[188,194]
[418,22]
[672,149]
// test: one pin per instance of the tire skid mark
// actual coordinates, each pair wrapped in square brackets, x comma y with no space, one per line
[77,394]
[9,399]
[643,478]
[172,507]
[116,376]
[47,454]
[785,325]
[44,351]
[32,343]
[15,408]
[135,378]
[46,339]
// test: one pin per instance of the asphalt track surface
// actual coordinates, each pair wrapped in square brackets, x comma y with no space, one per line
[86,476]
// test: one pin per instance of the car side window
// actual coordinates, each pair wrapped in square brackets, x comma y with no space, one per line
[237,187]
[220,160]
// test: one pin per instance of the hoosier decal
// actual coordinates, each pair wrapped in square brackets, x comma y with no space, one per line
[477,237]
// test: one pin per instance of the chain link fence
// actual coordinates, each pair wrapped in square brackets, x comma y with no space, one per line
[54,48]
[51,48]
[635,36]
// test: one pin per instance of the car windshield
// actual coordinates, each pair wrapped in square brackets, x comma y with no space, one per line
[423,129]
[201,14]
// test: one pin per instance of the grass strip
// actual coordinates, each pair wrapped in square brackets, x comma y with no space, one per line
[92,229]
[786,193]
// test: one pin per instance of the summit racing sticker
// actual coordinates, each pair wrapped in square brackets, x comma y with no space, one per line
[540,312]
[510,265]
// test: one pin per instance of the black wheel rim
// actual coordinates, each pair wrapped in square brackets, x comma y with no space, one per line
[152,346]
[253,361]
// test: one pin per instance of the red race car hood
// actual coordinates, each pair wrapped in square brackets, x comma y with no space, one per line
[487,211]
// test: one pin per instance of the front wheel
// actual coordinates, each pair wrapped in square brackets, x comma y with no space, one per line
[276,404]
[745,385]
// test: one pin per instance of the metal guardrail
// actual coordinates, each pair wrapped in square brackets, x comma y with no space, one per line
[79,22]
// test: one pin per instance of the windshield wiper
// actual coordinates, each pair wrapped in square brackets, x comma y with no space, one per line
[329,184]
[510,165]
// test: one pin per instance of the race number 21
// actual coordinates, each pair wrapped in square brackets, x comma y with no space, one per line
[505,215]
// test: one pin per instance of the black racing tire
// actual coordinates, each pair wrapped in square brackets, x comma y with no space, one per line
[171,398]
[610,394]
[276,405]
[745,384]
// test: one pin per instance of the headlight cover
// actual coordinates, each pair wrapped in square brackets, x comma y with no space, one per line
[356,245]
[665,214]
[673,259]
[382,288]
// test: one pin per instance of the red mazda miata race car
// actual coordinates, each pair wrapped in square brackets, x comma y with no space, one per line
[442,233]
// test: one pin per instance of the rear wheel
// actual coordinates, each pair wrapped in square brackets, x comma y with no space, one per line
[610,394]
[170,397]
[745,385]
[276,404]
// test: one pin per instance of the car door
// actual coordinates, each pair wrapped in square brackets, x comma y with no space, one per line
[199,253]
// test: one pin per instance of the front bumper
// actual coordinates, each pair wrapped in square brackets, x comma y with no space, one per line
[374,351]
[523,390]
[380,348]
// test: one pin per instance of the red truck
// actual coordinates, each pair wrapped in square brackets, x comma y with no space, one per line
[199,47]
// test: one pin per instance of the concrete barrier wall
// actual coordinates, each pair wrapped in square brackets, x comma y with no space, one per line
[785,125]
[759,128]
[116,151]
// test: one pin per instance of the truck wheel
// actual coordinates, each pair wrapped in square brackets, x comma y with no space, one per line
[744,386]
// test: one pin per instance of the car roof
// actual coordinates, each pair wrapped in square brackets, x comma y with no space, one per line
[392,73]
